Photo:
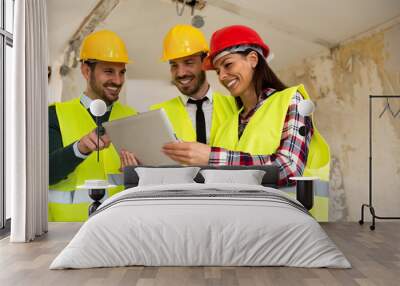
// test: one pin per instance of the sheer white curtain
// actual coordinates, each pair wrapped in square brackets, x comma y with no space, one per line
[26,123]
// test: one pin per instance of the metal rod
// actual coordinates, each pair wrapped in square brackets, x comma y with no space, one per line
[371,208]
[370,151]
[384,96]
[98,137]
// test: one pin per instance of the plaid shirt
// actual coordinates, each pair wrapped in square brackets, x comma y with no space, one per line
[292,153]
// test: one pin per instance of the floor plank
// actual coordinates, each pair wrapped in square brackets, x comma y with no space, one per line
[375,257]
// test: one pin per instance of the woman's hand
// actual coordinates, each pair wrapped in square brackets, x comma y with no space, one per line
[188,153]
[127,159]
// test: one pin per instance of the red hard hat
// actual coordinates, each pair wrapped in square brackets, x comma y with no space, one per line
[231,36]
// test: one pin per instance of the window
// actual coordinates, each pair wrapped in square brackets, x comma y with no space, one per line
[9,16]
[6,65]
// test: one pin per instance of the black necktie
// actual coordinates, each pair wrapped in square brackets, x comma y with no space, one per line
[200,120]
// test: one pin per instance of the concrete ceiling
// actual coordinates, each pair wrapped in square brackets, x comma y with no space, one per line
[294,29]
[63,19]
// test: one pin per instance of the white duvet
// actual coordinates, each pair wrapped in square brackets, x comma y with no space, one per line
[210,229]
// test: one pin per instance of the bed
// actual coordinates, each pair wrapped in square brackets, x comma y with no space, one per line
[200,224]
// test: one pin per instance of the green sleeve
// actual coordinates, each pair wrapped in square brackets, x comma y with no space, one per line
[62,160]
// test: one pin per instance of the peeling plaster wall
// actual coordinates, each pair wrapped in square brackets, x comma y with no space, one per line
[340,82]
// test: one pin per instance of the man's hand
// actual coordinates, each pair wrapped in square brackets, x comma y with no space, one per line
[88,143]
[127,159]
[188,153]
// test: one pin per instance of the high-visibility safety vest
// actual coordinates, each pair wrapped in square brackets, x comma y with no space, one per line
[75,122]
[262,136]
[223,108]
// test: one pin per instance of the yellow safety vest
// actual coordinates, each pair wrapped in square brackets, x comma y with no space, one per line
[223,108]
[262,136]
[75,122]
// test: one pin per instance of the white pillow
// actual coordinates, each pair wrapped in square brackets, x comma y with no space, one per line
[249,177]
[162,176]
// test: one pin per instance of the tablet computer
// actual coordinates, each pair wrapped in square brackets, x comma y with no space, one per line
[143,134]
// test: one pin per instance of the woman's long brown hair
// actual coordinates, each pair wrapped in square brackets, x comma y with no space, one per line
[263,77]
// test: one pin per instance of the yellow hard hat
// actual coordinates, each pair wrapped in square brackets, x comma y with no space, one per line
[182,41]
[104,46]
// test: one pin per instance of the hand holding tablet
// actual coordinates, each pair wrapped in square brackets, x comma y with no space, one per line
[144,135]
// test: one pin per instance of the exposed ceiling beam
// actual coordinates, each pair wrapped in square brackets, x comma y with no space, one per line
[99,13]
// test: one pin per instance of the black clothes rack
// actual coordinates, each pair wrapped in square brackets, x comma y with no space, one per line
[370,204]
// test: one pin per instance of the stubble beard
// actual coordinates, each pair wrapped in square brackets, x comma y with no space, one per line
[99,90]
[201,78]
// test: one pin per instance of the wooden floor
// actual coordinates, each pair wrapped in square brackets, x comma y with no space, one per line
[374,255]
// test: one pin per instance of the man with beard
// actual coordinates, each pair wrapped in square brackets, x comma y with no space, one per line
[195,114]
[72,129]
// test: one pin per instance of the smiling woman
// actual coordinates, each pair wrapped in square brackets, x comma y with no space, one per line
[268,128]
[255,135]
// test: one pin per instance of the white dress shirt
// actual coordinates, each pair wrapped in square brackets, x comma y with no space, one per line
[207,109]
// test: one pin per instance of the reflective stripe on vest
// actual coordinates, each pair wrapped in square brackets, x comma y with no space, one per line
[82,196]
[321,188]
[223,108]
[73,197]
[263,133]
[75,122]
